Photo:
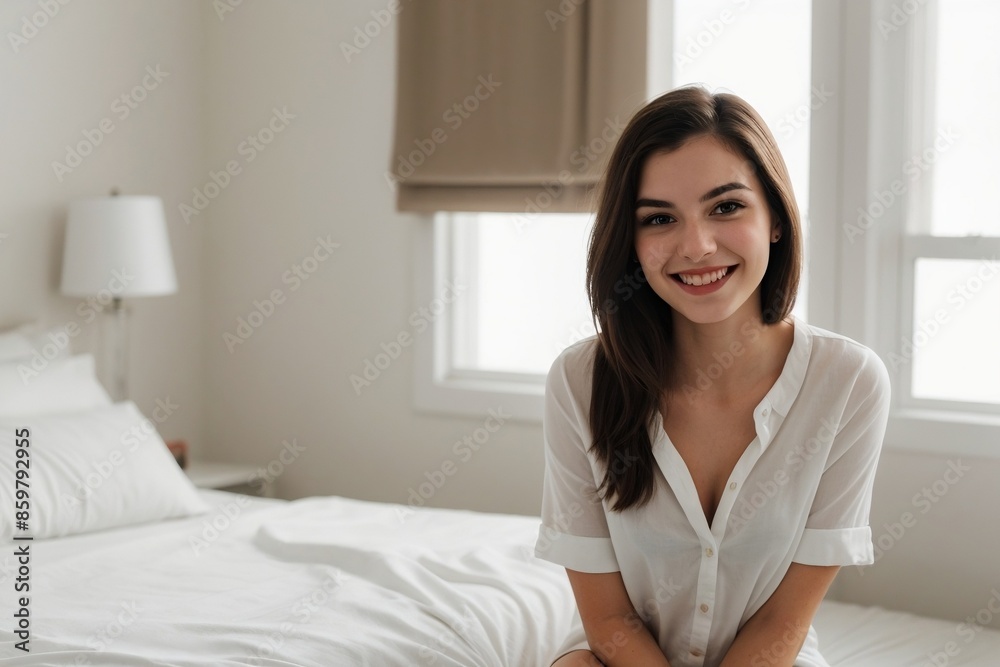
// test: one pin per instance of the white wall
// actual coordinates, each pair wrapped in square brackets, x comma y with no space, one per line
[322,175]
[939,524]
[58,85]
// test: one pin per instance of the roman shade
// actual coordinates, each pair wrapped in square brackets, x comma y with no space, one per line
[512,105]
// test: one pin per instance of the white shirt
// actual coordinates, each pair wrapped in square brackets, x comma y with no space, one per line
[800,492]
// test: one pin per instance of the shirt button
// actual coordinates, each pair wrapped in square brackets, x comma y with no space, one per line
[732,485]
[696,653]
[709,552]
[704,608]
[763,413]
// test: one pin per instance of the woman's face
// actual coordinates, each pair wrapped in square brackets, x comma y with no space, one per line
[703,230]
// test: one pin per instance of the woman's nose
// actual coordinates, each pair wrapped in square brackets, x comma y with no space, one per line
[696,241]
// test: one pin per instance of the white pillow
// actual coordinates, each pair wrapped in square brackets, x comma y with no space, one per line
[28,340]
[61,385]
[15,343]
[93,470]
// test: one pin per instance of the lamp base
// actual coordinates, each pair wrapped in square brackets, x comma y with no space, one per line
[114,350]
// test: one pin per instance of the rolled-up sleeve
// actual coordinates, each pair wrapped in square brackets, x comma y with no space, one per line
[574,531]
[837,530]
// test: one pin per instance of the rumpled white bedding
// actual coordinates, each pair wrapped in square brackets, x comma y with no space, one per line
[323,581]
[331,581]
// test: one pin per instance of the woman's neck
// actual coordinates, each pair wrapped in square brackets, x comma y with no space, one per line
[724,361]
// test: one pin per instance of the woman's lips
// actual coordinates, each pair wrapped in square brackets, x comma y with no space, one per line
[705,289]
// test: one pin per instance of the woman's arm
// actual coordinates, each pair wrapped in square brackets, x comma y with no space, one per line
[615,632]
[773,636]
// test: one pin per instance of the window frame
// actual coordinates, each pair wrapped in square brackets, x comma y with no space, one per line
[864,289]
[857,146]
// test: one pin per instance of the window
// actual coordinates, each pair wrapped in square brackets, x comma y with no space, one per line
[884,113]
[523,275]
[948,358]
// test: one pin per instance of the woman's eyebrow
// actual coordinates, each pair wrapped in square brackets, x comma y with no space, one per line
[714,192]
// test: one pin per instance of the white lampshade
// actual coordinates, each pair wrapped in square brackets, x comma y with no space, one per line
[117,244]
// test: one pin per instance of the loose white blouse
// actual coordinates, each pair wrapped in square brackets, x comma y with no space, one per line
[800,492]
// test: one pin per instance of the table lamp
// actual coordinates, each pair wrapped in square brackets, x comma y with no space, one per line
[116,247]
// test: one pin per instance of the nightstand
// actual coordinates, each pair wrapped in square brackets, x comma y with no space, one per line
[236,477]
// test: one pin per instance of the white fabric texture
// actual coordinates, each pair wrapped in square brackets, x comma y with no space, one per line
[316,582]
[331,582]
[62,385]
[800,492]
[91,470]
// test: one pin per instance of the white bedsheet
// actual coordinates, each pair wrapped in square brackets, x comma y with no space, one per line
[281,586]
[332,581]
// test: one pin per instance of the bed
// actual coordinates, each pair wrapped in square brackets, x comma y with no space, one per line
[129,564]
[335,581]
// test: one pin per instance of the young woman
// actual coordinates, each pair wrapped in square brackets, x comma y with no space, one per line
[709,456]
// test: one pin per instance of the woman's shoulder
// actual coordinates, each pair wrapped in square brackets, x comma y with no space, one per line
[836,355]
[573,369]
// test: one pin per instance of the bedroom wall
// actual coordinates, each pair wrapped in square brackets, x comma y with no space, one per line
[936,533]
[322,176]
[59,81]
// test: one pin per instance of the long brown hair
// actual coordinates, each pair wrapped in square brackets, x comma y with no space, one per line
[633,361]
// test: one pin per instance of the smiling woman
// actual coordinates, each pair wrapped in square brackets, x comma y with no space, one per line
[702,396]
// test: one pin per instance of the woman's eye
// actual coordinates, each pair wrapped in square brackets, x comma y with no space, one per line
[728,207]
[658,219]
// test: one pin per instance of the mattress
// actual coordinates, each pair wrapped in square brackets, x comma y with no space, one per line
[331,581]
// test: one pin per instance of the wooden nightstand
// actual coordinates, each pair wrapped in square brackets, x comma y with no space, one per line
[236,477]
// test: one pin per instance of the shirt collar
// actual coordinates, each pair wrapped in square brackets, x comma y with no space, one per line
[775,405]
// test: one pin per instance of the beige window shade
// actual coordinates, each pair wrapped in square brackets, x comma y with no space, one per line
[512,105]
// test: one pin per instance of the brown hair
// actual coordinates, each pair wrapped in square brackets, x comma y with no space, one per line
[633,360]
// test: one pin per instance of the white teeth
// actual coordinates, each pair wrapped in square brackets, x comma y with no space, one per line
[703,278]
